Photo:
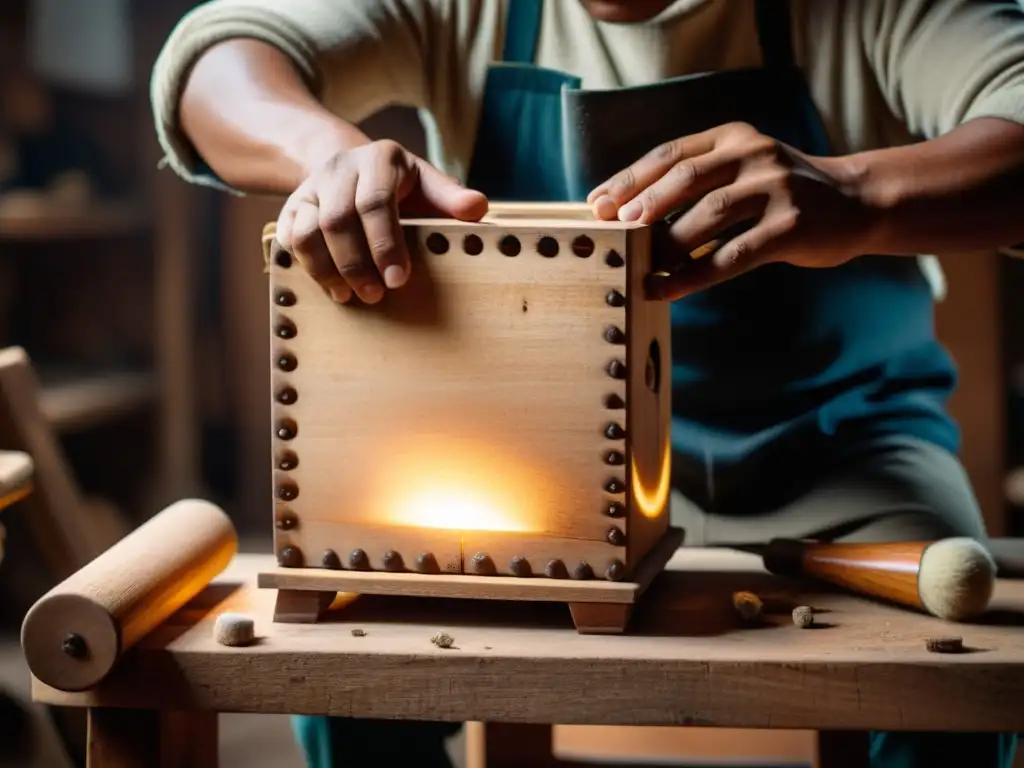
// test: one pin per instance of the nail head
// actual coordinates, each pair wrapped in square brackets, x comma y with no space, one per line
[330,560]
[582,572]
[615,536]
[519,566]
[289,557]
[615,299]
[358,560]
[615,571]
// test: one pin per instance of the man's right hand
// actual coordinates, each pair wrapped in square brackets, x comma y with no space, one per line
[342,223]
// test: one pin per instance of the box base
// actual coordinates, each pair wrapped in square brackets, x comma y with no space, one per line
[597,607]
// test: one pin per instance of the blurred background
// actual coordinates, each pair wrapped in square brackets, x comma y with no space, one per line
[141,304]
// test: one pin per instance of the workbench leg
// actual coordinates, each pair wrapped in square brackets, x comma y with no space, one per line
[514,745]
[146,738]
[843,749]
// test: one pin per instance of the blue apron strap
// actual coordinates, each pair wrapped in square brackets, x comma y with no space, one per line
[775,33]
[522,30]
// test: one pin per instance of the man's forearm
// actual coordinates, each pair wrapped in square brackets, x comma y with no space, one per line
[253,120]
[962,191]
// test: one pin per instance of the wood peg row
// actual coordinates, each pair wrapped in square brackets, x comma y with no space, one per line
[615,536]
[285,298]
[287,362]
[615,299]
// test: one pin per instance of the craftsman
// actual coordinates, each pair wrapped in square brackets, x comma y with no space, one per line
[809,390]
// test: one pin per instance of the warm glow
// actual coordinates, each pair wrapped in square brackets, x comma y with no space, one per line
[455,508]
[651,502]
[462,486]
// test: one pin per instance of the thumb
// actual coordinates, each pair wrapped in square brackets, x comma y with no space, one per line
[440,194]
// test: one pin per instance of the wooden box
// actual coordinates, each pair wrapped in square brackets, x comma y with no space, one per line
[505,415]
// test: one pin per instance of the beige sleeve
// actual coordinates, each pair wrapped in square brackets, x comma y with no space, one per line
[357,56]
[940,63]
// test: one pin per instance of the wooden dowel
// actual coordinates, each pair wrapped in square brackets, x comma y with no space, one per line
[75,633]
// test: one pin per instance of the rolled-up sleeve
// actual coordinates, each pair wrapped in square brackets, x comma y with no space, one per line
[357,56]
[940,63]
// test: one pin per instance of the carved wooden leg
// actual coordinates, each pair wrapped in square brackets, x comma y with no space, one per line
[146,738]
[843,749]
[601,618]
[511,745]
[299,606]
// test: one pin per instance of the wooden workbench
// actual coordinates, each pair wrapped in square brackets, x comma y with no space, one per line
[687,661]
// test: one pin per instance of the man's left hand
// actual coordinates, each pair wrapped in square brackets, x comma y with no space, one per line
[787,206]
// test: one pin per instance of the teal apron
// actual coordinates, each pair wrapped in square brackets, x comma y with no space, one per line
[777,374]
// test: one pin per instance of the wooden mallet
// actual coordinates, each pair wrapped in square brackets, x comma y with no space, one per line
[950,578]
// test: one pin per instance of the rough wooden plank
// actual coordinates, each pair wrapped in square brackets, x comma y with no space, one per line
[686,661]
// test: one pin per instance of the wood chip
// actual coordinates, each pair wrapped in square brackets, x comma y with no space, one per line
[358,633]
[443,640]
[234,629]
[944,644]
[747,605]
[803,616]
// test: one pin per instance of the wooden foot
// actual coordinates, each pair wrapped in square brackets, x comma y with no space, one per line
[295,606]
[601,618]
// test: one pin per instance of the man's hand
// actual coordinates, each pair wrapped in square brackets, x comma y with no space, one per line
[342,223]
[784,205]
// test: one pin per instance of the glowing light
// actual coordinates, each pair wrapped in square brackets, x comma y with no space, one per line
[461,485]
[455,508]
[651,502]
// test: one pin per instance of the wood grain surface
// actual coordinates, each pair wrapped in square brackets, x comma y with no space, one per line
[687,660]
[502,389]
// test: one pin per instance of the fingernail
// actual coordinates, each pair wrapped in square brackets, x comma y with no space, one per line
[394,276]
[605,207]
[340,294]
[372,293]
[631,211]
[596,193]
